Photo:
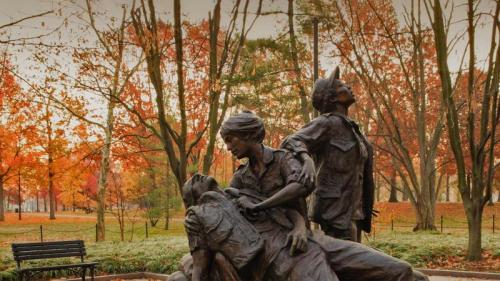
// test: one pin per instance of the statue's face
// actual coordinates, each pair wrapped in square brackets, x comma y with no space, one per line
[344,93]
[238,146]
[201,184]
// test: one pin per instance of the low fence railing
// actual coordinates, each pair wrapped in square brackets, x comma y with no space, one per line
[144,230]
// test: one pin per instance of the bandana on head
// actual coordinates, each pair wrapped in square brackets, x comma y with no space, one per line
[245,124]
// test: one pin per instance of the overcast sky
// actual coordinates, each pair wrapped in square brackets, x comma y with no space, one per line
[194,10]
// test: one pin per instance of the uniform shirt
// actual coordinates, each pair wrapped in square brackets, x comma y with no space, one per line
[280,169]
[215,224]
[342,157]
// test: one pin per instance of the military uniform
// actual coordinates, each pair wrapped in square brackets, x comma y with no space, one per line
[344,184]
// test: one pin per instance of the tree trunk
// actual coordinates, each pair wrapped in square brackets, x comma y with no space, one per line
[2,200]
[405,193]
[121,221]
[52,198]
[304,109]
[167,211]
[19,198]
[393,198]
[37,202]
[425,217]
[447,188]
[52,195]
[474,220]
[216,69]
[490,202]
[103,174]
[215,88]
[181,172]
[116,56]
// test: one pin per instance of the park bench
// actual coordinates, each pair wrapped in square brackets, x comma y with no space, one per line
[50,250]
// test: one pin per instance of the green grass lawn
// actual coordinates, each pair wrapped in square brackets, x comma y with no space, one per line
[432,249]
[159,252]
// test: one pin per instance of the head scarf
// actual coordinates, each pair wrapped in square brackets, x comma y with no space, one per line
[246,125]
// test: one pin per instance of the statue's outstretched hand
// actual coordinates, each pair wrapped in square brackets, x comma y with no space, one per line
[308,173]
[245,203]
[298,240]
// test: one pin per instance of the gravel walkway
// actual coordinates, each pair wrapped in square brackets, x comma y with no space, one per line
[441,278]
[432,278]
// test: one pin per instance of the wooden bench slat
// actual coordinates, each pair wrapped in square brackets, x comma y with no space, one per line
[47,247]
[72,248]
[20,250]
[48,256]
[48,243]
[24,247]
[37,253]
[35,250]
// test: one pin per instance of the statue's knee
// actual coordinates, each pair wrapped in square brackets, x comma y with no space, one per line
[405,272]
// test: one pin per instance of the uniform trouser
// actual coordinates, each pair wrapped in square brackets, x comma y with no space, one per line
[356,262]
[349,260]
[351,234]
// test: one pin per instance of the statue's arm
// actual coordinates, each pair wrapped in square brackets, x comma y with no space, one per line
[290,192]
[310,137]
[201,262]
[290,172]
[307,141]
[198,245]
[298,235]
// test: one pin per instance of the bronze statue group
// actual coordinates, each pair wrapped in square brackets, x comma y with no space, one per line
[258,228]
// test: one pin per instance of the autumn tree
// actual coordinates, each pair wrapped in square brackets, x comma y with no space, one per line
[145,171]
[304,104]
[16,128]
[110,65]
[104,71]
[146,28]
[267,85]
[482,115]
[225,52]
